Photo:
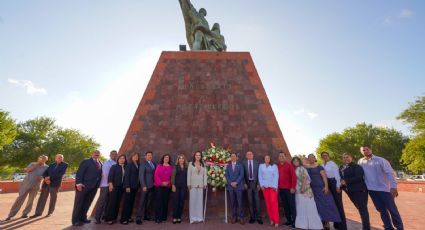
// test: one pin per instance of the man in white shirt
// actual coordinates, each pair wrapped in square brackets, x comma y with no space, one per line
[104,186]
[334,182]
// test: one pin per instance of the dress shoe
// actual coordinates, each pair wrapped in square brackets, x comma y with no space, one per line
[130,221]
[287,223]
[8,218]
[174,221]
[49,214]
[251,221]
[179,221]
[78,224]
[139,221]
[97,222]
[147,218]
[24,216]
[124,222]
[233,221]
[241,221]
[86,221]
[260,221]
[35,215]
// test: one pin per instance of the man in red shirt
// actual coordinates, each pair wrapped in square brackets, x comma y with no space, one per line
[287,184]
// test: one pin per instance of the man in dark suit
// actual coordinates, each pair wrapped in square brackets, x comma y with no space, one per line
[352,182]
[146,176]
[87,181]
[235,186]
[251,179]
[52,182]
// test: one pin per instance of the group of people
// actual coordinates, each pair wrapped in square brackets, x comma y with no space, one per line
[51,178]
[311,194]
[122,177]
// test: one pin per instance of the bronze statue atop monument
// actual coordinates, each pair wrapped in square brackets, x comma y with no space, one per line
[198,32]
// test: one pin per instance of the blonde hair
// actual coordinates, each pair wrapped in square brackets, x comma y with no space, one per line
[184,158]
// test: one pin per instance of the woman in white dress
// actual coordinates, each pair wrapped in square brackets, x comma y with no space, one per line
[307,214]
[196,183]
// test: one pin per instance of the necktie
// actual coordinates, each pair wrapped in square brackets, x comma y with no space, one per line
[152,166]
[250,170]
[97,164]
[233,166]
[122,170]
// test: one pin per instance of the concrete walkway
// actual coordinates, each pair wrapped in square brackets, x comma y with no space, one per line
[411,206]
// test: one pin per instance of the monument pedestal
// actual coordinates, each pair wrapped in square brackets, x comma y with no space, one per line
[197,97]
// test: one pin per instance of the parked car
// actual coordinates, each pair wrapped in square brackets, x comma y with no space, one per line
[19,176]
[418,177]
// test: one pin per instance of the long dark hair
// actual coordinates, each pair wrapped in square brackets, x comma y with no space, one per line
[194,159]
[299,160]
[162,159]
[130,158]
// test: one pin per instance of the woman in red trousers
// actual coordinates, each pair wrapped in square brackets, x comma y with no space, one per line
[268,176]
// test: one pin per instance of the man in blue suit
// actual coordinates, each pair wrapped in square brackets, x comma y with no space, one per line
[87,181]
[235,186]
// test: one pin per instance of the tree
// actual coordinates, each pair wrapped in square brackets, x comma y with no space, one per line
[42,136]
[72,144]
[385,142]
[414,153]
[7,129]
[415,116]
[30,140]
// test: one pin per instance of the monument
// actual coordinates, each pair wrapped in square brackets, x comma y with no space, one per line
[202,96]
[197,97]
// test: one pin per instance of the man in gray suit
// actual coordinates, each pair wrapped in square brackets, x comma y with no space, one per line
[251,179]
[146,175]
[29,187]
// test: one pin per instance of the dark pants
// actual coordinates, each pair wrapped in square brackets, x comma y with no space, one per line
[102,202]
[162,195]
[144,203]
[288,202]
[236,202]
[114,201]
[82,202]
[254,201]
[359,199]
[178,200]
[46,190]
[338,201]
[127,209]
[385,204]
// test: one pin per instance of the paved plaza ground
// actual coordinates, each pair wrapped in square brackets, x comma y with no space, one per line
[411,205]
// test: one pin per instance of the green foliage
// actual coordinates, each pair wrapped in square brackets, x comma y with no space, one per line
[414,153]
[7,129]
[385,142]
[6,172]
[415,116]
[42,136]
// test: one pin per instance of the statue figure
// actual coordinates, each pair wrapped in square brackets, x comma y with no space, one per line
[198,32]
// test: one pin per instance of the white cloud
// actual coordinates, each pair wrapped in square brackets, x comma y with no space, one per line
[28,86]
[405,13]
[312,115]
[397,17]
[305,113]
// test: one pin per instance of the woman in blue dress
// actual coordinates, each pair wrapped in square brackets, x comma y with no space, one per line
[324,200]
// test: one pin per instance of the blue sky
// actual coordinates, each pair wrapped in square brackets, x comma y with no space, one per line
[326,65]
